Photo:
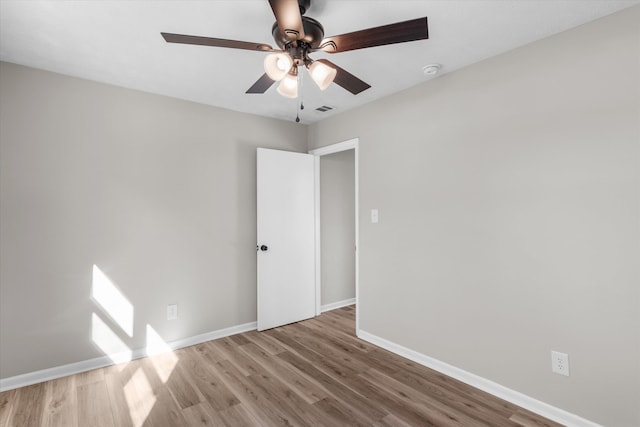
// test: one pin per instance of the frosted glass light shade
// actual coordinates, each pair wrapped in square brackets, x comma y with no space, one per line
[289,86]
[277,65]
[322,74]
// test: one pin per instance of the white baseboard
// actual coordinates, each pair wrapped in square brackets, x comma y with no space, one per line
[551,412]
[337,304]
[517,398]
[100,362]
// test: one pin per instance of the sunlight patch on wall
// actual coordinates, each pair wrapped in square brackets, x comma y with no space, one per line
[161,355]
[104,334]
[114,303]
[140,397]
[108,341]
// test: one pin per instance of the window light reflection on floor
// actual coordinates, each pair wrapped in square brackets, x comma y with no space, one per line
[140,397]
[161,355]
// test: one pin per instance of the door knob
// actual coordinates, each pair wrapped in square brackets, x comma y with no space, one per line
[263,248]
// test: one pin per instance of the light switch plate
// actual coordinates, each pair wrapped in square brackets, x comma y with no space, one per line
[172,311]
[374,216]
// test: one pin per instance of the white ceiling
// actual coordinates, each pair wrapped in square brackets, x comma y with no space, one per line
[119,42]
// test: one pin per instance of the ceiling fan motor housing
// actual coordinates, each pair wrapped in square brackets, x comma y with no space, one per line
[313,34]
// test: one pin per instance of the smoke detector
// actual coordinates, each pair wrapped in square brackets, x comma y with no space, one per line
[431,69]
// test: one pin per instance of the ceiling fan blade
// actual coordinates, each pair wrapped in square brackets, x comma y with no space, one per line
[287,13]
[345,79]
[209,41]
[400,32]
[261,85]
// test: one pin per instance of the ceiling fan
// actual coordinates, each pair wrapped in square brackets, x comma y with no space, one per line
[297,36]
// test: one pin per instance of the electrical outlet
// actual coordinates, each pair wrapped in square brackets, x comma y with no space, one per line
[172,311]
[560,363]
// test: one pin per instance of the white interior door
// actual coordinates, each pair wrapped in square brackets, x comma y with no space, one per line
[286,243]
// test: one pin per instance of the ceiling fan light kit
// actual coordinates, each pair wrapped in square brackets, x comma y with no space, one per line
[297,36]
[288,86]
[322,74]
[277,65]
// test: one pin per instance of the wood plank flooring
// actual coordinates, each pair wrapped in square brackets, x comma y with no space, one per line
[311,373]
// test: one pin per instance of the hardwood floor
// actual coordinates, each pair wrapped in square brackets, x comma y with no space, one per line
[312,373]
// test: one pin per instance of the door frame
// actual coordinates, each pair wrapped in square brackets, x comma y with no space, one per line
[351,144]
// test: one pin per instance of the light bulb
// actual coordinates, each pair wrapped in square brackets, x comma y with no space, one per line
[289,86]
[322,74]
[277,65]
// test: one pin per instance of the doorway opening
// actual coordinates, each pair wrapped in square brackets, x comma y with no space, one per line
[336,235]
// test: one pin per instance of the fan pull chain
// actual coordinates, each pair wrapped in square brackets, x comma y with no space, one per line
[301,105]
[298,108]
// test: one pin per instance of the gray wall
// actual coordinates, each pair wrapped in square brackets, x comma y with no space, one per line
[337,226]
[509,198]
[158,193]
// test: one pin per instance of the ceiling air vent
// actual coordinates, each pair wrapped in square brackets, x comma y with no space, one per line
[324,108]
